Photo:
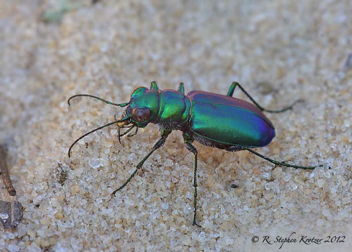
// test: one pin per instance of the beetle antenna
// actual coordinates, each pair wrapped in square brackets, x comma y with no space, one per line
[90,132]
[282,163]
[98,98]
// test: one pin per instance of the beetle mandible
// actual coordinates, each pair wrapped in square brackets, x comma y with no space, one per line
[243,125]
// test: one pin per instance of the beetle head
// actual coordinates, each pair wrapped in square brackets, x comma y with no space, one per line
[143,107]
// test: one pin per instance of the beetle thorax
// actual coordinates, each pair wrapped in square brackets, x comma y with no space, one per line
[173,109]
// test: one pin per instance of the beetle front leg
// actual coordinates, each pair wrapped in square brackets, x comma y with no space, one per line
[235,84]
[188,142]
[157,145]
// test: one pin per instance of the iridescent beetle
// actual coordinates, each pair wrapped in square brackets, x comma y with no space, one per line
[211,119]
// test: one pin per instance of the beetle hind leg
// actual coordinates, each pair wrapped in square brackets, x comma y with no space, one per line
[235,84]
[188,142]
[281,163]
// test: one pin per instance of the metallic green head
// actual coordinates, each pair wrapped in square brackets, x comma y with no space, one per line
[143,107]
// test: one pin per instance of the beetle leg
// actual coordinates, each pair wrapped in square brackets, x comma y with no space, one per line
[154,86]
[181,88]
[188,142]
[281,163]
[157,145]
[235,84]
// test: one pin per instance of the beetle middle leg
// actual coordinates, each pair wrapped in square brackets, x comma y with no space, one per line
[157,145]
[154,86]
[181,88]
[188,142]
[235,84]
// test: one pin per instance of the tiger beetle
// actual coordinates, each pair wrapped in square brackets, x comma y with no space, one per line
[214,120]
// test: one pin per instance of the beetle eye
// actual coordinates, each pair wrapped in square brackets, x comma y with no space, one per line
[141,114]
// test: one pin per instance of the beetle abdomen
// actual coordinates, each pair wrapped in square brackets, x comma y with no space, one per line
[226,120]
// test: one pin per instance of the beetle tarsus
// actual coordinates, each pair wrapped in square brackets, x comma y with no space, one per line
[156,146]
[282,163]
[287,108]
[127,181]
